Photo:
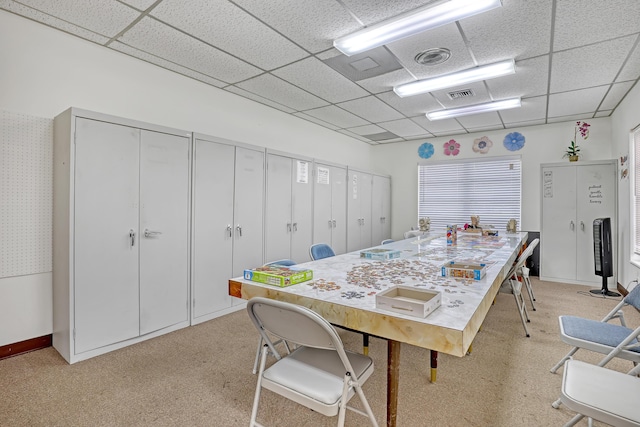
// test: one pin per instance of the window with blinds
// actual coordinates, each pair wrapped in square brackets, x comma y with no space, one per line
[635,140]
[449,193]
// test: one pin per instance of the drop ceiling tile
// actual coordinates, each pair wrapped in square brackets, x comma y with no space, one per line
[105,17]
[480,95]
[576,68]
[615,95]
[524,124]
[257,98]
[51,21]
[530,79]
[328,54]
[447,37]
[531,109]
[411,105]
[121,47]
[570,118]
[582,101]
[481,120]
[631,69]
[161,40]
[486,128]
[313,24]
[439,127]
[372,109]
[324,82]
[528,22]
[373,11]
[581,22]
[404,128]
[366,130]
[282,92]
[386,81]
[227,27]
[315,120]
[389,141]
[604,113]
[356,136]
[139,4]
[337,116]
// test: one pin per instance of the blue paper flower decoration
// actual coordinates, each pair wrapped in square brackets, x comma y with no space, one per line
[514,141]
[426,150]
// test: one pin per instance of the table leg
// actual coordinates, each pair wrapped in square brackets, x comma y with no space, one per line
[434,365]
[393,374]
[365,344]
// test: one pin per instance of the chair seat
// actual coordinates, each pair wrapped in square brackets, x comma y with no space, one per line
[602,394]
[593,332]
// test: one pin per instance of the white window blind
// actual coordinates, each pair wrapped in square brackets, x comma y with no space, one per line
[635,136]
[449,193]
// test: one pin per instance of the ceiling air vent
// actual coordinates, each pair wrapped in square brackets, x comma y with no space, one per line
[464,93]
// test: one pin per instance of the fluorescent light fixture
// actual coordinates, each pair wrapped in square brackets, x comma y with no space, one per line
[458,78]
[474,109]
[414,22]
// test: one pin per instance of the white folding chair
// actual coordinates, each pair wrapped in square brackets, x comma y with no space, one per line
[516,285]
[523,272]
[319,374]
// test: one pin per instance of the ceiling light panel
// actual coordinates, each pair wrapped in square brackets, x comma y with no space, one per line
[463,77]
[412,23]
[474,109]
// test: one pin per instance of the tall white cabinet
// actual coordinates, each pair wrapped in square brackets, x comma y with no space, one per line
[228,198]
[289,208]
[121,232]
[330,206]
[573,195]
[359,206]
[380,209]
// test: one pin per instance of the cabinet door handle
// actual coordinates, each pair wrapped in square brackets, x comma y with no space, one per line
[573,226]
[330,223]
[132,237]
[582,225]
[230,230]
[239,228]
[289,227]
[151,233]
[295,226]
[334,223]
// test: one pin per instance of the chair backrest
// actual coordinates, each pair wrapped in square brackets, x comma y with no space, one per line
[526,254]
[633,297]
[387,241]
[320,251]
[282,262]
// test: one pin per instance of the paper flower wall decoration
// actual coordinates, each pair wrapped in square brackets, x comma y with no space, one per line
[451,148]
[426,150]
[514,141]
[482,145]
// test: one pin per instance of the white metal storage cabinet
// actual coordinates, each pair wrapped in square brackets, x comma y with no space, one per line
[359,199]
[227,235]
[380,209]
[289,208]
[572,196]
[330,206]
[121,232]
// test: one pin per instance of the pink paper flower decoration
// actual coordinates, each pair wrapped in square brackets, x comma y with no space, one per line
[482,145]
[451,148]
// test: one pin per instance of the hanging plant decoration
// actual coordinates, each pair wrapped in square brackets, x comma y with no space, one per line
[482,145]
[426,150]
[514,141]
[451,148]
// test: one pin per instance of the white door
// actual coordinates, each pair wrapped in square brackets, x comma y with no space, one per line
[213,169]
[164,230]
[559,228]
[278,222]
[302,211]
[105,234]
[247,212]
[322,218]
[339,209]
[596,198]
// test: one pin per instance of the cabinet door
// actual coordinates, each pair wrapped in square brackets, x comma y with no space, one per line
[380,209]
[302,211]
[364,194]
[105,257]
[322,219]
[213,171]
[358,211]
[596,198]
[278,222]
[558,240]
[247,212]
[339,209]
[164,230]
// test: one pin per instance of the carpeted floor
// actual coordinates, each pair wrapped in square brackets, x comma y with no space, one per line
[201,376]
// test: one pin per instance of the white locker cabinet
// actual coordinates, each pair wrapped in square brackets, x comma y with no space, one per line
[121,232]
[572,196]
[359,193]
[380,209]
[289,208]
[227,234]
[330,206]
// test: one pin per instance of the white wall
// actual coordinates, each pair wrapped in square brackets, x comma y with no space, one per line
[543,144]
[44,71]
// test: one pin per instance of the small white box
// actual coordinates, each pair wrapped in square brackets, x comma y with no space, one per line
[407,300]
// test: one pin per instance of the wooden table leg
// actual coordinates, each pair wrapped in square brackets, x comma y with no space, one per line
[393,374]
[434,365]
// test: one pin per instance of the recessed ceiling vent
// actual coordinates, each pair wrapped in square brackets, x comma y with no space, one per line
[433,56]
[464,93]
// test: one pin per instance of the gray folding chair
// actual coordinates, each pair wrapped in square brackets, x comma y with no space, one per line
[319,374]
[516,286]
[523,272]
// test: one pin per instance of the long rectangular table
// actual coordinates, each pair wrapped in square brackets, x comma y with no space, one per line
[343,291]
